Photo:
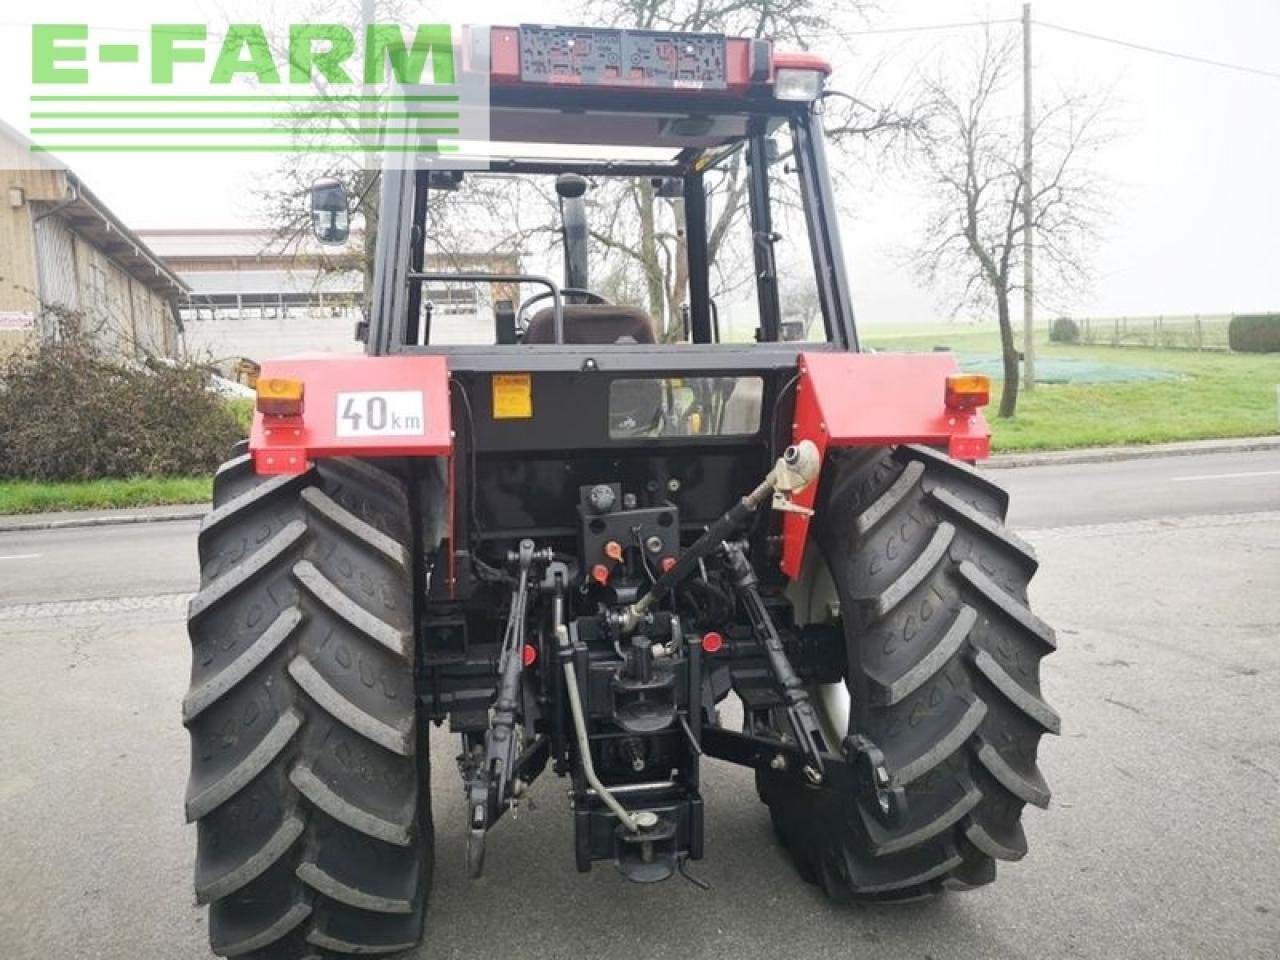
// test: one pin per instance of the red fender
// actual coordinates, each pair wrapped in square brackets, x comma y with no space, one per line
[875,400]
[412,418]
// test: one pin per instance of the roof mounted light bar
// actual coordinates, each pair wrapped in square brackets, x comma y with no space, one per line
[598,57]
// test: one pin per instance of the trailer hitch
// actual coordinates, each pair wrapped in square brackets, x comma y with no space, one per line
[492,778]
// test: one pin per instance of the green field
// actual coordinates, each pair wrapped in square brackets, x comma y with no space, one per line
[1206,395]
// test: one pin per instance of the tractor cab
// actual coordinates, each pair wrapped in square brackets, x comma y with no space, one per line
[685,200]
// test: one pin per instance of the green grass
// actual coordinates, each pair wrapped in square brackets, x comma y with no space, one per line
[1218,394]
[23,496]
[918,337]
[29,496]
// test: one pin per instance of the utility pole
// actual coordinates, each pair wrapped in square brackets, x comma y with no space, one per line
[1028,299]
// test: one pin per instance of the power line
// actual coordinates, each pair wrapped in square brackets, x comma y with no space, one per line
[1161,52]
[1145,48]
[920,28]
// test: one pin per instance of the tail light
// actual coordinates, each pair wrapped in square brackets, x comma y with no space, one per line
[967,391]
[279,396]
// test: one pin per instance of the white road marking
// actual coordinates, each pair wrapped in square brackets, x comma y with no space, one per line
[96,607]
[1142,527]
[23,556]
[1232,476]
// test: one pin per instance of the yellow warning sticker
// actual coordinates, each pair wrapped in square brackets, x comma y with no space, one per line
[512,396]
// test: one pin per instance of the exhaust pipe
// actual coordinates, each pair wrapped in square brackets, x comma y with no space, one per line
[572,190]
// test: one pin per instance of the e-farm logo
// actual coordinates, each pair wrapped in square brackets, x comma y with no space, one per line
[363,75]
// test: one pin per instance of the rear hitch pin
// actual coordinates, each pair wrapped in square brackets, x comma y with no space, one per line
[682,865]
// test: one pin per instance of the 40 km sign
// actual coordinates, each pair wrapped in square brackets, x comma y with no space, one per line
[381,413]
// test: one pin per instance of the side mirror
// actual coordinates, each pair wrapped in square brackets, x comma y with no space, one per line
[330,214]
[446,180]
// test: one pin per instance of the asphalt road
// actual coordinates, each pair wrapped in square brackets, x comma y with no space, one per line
[1163,839]
[1149,489]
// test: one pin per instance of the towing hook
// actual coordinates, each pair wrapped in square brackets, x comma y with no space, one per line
[873,779]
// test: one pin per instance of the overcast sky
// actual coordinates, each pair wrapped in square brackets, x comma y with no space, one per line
[1196,222]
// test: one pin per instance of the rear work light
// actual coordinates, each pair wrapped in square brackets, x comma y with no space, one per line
[794,83]
[967,391]
[279,397]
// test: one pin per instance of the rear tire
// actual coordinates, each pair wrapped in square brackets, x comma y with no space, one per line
[943,675]
[309,773]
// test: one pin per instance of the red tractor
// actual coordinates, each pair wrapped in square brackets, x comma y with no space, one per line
[571,529]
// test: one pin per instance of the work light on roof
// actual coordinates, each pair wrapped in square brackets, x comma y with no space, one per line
[796,83]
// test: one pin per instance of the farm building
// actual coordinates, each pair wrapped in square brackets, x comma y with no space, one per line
[65,256]
[252,294]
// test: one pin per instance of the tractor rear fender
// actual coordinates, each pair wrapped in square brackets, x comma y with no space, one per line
[355,407]
[875,400]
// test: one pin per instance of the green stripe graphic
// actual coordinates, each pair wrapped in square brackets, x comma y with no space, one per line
[246,98]
[165,131]
[321,115]
[242,148]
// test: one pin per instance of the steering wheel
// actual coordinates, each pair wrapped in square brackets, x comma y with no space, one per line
[590,296]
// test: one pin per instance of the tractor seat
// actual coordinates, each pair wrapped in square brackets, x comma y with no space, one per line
[592,323]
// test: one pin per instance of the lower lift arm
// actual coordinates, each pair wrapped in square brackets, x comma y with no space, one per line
[491,787]
[800,712]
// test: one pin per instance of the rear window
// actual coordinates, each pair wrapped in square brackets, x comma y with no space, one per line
[685,407]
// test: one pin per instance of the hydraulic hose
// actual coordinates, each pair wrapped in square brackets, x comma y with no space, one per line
[710,540]
[796,469]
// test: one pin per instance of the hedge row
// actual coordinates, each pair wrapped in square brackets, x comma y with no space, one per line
[1254,333]
[67,412]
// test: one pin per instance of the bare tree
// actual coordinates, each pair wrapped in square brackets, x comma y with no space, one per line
[647,232]
[284,198]
[971,143]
